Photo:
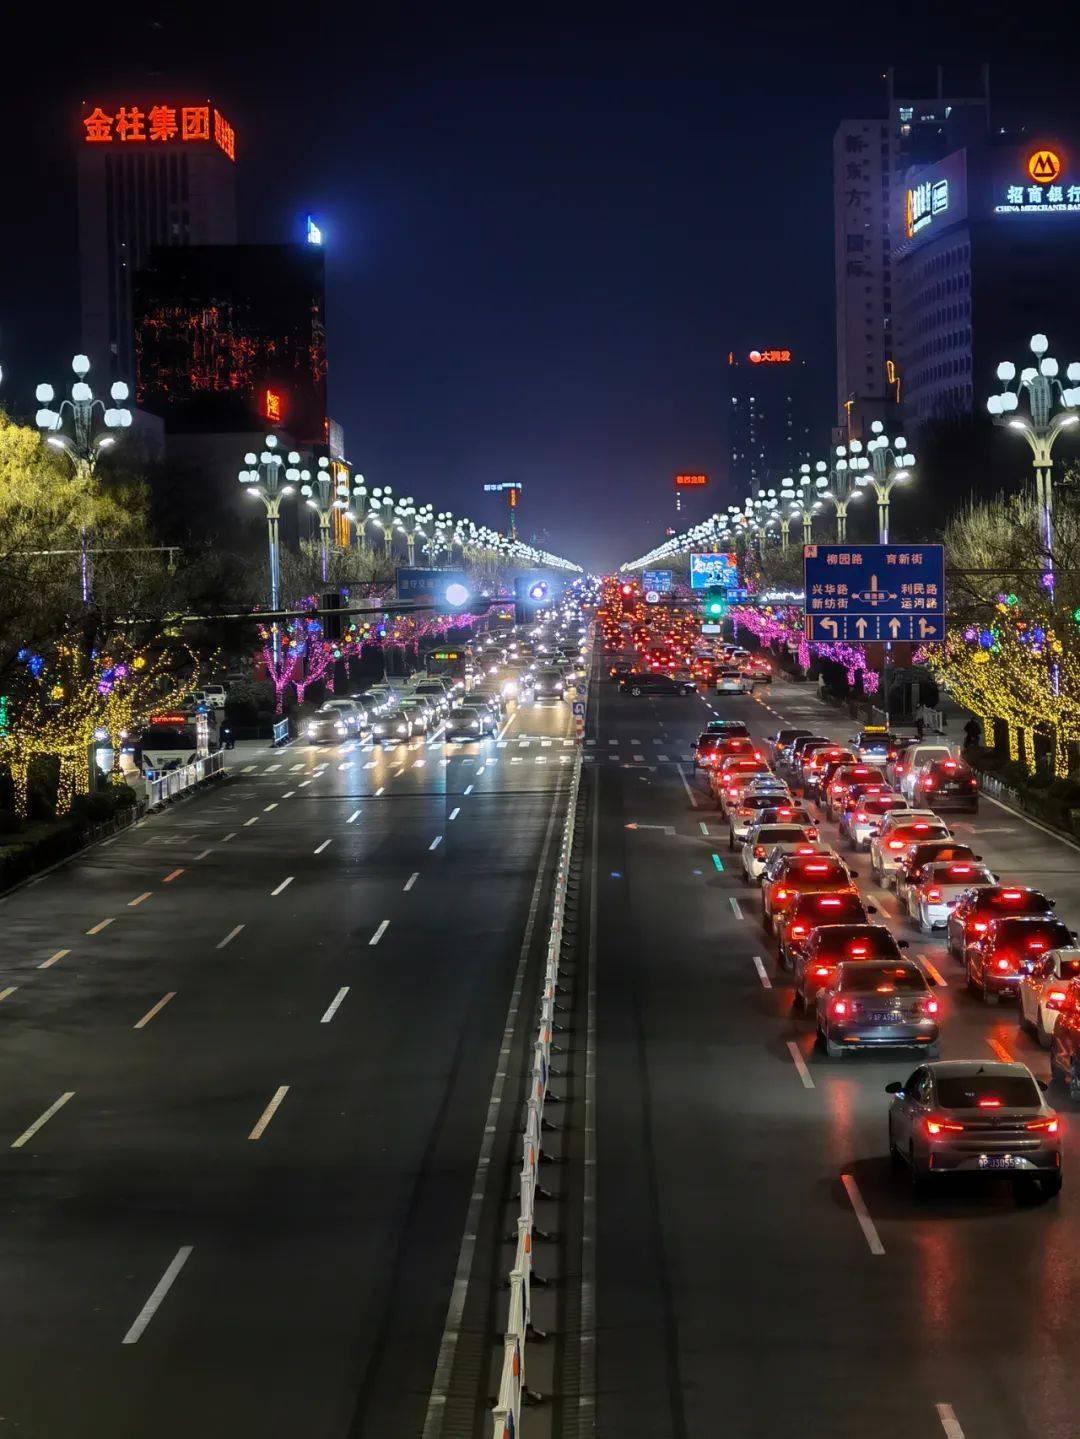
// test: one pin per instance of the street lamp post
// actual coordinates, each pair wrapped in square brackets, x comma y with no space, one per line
[845,483]
[262,476]
[78,429]
[320,496]
[1051,409]
[891,464]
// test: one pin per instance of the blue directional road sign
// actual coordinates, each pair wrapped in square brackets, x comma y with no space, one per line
[857,593]
[657,580]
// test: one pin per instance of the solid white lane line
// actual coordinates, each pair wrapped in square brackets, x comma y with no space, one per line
[468,789]
[148,1016]
[454,813]
[164,1284]
[229,937]
[736,907]
[934,973]
[949,1421]
[691,796]
[334,1004]
[48,963]
[353,817]
[42,1119]
[174,875]
[13,987]
[103,924]
[410,882]
[139,898]
[283,885]
[435,842]
[322,846]
[800,1064]
[862,1214]
[379,932]
[766,982]
[269,1112]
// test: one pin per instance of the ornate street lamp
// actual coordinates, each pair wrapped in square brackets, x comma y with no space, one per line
[1051,408]
[263,476]
[891,464]
[846,482]
[324,496]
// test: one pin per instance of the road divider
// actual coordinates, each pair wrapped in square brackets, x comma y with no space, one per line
[506,1416]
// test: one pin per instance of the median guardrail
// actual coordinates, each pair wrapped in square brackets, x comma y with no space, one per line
[176,781]
[281,733]
[506,1415]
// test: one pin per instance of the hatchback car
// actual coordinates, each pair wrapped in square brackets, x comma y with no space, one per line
[792,812]
[975,1117]
[945,784]
[909,762]
[1044,989]
[742,817]
[994,961]
[877,1005]
[932,851]
[731,681]
[932,891]
[888,846]
[976,908]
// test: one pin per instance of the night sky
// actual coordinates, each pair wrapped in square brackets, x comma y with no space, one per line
[545,227]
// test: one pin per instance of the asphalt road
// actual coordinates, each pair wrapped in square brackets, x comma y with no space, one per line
[248,1052]
[738,1291]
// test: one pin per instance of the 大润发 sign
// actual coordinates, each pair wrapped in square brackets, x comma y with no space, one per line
[861,593]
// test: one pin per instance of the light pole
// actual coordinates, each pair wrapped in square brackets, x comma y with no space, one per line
[1051,409]
[801,502]
[76,428]
[891,464]
[845,483]
[263,477]
[381,511]
[321,498]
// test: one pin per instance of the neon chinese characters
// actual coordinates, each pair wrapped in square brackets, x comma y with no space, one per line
[159,125]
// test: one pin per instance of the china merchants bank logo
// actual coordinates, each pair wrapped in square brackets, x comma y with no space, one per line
[1044,166]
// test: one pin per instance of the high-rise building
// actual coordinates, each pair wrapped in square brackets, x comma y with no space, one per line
[150,174]
[230,338]
[870,159]
[987,255]
[768,418]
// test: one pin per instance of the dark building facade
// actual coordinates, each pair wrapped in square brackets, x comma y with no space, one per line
[987,257]
[768,418]
[232,338]
[149,174]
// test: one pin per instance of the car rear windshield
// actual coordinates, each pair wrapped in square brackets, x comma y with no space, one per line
[979,1091]
[780,834]
[831,908]
[816,867]
[881,804]
[1070,968]
[882,977]
[547,676]
[1051,935]
[870,942]
[1019,901]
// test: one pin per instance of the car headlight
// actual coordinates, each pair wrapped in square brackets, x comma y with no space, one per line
[401,729]
[340,729]
[311,729]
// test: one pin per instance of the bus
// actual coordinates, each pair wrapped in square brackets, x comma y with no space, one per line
[170,741]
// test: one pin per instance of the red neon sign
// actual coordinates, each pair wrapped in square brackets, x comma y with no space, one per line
[690,482]
[159,125]
[770,357]
[273,407]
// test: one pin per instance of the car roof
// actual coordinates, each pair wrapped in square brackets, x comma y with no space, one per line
[968,1068]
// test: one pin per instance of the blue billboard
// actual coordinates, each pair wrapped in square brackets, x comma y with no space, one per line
[859,593]
[713,568]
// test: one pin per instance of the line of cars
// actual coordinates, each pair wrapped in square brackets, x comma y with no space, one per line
[853,975]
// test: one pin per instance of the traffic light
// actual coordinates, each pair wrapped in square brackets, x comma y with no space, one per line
[627,591]
[714,604]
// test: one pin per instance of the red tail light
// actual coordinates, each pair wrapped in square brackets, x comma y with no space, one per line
[1003,963]
[759,851]
[859,949]
[1012,894]
[780,896]
[935,1124]
[860,816]
[797,931]
[896,844]
[813,833]
[929,1006]
[928,784]
[1048,1126]
[1055,999]
[839,1006]
[979,926]
[934,896]
[830,904]
[817,869]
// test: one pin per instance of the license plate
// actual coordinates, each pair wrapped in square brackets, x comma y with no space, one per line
[998,1161]
[884,1017]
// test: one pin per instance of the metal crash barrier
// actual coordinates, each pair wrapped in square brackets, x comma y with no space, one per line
[506,1416]
[281,733]
[175,781]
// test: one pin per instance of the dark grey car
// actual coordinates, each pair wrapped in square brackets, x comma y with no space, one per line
[872,1005]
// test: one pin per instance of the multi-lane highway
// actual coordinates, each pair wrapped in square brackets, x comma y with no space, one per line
[248,1051]
[761,1271]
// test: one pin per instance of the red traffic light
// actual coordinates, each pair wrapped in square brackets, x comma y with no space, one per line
[628,589]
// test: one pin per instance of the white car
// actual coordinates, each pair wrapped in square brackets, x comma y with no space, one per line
[764,840]
[733,682]
[212,696]
[733,792]
[932,896]
[743,816]
[863,821]
[1043,989]
[886,852]
[914,759]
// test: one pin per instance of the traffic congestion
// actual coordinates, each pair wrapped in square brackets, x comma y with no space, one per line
[884,912]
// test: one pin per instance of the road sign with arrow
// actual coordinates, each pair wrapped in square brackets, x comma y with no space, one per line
[863,593]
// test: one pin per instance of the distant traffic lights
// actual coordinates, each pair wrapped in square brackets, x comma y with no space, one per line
[627,590]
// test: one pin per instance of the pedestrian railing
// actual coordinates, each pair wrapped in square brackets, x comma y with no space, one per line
[281,732]
[175,781]
[506,1416]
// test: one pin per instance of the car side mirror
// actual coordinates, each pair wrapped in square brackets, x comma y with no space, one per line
[1051,903]
[903,944]
[853,871]
[895,1088]
[1042,1085]
[979,858]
